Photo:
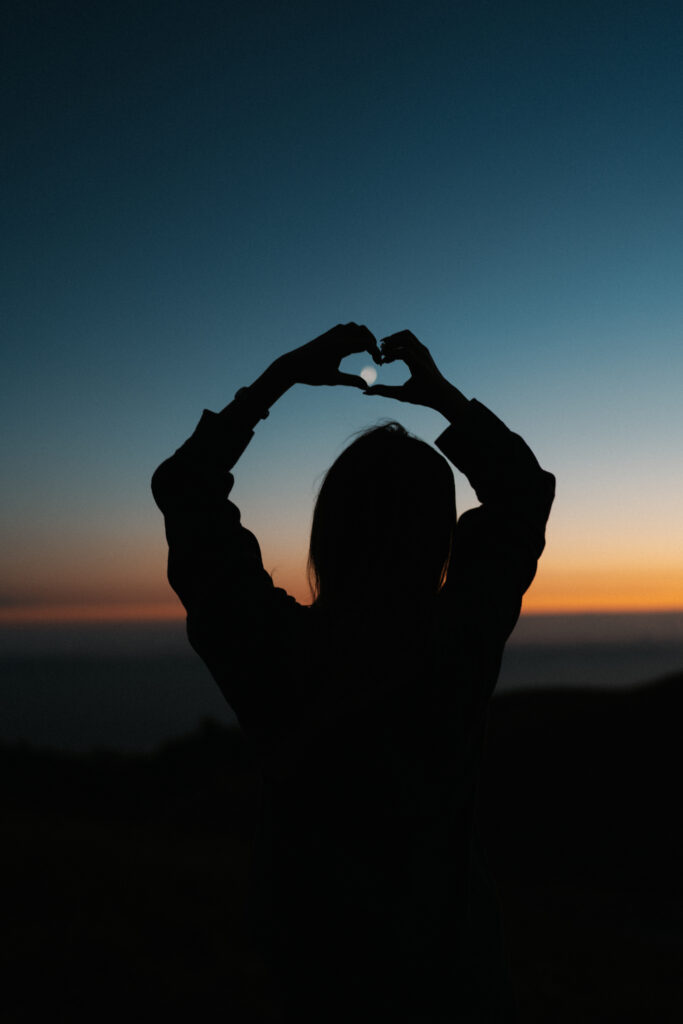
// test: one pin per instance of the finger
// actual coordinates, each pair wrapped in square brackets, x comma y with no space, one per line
[358,338]
[392,347]
[402,345]
[349,379]
[368,341]
[406,337]
[374,351]
[371,345]
[387,391]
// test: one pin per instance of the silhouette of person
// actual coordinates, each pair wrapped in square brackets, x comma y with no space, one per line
[369,893]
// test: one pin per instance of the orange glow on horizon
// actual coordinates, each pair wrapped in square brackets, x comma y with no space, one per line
[600,604]
[562,587]
[618,588]
[546,604]
[49,614]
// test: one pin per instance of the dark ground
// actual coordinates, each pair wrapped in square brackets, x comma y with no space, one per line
[125,875]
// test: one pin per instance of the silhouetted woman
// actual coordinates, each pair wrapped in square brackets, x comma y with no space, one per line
[369,895]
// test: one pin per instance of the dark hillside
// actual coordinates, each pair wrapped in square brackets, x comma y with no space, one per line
[580,800]
[126,874]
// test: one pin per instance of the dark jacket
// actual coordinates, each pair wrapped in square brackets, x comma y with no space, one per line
[369,887]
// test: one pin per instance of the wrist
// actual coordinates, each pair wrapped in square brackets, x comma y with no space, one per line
[272,383]
[281,372]
[447,400]
[256,399]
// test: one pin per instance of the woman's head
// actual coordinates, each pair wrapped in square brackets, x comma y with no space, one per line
[383,521]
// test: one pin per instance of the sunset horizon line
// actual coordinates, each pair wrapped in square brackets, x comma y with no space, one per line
[53,614]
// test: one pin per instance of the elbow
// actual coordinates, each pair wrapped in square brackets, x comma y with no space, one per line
[549,483]
[160,482]
[545,491]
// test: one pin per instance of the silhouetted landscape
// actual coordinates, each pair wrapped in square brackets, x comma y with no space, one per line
[126,873]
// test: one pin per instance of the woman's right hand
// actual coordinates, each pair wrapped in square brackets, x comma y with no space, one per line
[317,362]
[426,384]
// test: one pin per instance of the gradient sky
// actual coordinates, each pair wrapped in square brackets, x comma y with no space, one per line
[191,189]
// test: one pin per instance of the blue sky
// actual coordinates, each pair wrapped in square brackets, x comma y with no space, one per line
[191,189]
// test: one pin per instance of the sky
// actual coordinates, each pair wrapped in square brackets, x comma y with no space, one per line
[192,189]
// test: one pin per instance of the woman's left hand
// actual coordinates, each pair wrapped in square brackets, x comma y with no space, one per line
[318,361]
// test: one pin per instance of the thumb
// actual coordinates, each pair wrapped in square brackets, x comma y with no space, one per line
[349,379]
[386,391]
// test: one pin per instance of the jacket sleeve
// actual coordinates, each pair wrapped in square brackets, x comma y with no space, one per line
[214,563]
[497,545]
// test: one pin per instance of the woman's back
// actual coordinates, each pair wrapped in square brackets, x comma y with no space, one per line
[365,853]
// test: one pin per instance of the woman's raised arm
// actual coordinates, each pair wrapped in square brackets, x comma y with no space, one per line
[496,547]
[214,563]
[316,362]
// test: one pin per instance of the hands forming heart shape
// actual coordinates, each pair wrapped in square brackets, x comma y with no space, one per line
[318,361]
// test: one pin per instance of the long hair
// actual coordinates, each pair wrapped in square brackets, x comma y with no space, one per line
[383,523]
